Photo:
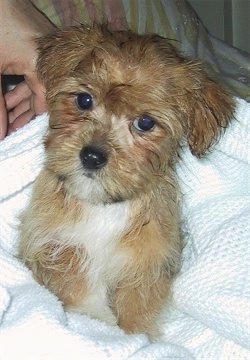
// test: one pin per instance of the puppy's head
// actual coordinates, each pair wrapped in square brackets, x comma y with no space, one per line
[119,104]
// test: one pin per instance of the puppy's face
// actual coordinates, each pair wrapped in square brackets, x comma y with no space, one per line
[119,104]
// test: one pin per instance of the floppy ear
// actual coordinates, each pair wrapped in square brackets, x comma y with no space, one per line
[210,114]
[204,106]
[60,52]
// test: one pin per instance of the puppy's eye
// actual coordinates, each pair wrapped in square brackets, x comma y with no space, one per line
[84,101]
[144,123]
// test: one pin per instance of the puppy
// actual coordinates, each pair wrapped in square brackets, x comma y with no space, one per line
[102,227]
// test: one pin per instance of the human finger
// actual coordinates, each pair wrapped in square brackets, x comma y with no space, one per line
[38,97]
[23,119]
[20,109]
[14,97]
[3,114]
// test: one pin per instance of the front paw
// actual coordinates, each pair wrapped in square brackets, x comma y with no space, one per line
[100,311]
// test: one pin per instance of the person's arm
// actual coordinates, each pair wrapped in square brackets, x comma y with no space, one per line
[20,24]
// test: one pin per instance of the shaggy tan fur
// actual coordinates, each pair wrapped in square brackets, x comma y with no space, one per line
[106,240]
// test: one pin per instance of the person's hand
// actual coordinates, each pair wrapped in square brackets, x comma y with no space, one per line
[22,104]
[20,24]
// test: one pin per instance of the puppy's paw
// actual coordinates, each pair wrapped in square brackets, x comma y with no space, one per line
[96,307]
[103,314]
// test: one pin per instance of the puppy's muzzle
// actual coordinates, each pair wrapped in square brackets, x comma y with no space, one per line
[93,158]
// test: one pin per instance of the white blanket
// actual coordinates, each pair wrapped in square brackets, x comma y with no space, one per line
[209,318]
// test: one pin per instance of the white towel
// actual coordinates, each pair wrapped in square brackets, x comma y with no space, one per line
[209,318]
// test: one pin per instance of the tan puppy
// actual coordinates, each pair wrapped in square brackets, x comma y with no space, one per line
[102,228]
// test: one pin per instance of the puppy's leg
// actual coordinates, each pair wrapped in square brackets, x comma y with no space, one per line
[138,305]
[59,269]
[145,287]
[95,304]
[65,273]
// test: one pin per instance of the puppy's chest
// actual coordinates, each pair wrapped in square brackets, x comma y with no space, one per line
[99,232]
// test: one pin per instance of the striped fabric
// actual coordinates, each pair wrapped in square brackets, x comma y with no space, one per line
[73,12]
[139,15]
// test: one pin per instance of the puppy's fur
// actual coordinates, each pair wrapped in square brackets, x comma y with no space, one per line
[102,228]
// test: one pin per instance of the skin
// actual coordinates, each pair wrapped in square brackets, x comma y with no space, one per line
[20,24]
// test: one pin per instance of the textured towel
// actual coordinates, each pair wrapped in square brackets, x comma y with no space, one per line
[209,318]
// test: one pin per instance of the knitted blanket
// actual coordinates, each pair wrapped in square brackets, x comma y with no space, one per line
[209,316]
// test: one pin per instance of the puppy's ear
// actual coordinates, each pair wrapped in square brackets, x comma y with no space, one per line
[60,52]
[207,107]
[210,114]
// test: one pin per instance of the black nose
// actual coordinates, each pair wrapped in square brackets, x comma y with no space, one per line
[93,158]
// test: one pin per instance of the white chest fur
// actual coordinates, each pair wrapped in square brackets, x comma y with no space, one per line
[99,232]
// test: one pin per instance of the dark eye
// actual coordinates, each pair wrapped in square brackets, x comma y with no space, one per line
[84,101]
[144,123]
